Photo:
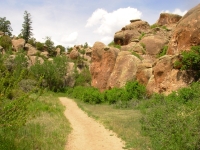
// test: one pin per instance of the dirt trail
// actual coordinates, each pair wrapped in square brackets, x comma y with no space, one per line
[87,134]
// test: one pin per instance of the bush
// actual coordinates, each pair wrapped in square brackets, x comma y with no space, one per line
[173,121]
[135,90]
[83,78]
[53,72]
[5,42]
[39,46]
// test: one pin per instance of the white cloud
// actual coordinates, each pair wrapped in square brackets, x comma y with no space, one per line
[107,24]
[176,11]
[96,17]
[107,39]
[71,38]
[179,12]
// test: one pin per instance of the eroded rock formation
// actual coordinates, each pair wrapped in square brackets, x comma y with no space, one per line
[139,57]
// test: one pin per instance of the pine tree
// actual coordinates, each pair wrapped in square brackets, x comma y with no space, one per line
[26,31]
[5,26]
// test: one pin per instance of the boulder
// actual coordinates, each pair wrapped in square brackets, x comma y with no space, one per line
[103,62]
[18,44]
[153,44]
[45,54]
[74,54]
[124,70]
[131,32]
[133,47]
[144,73]
[125,37]
[187,32]
[139,25]
[31,51]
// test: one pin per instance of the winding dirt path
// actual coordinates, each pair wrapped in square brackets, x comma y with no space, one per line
[87,134]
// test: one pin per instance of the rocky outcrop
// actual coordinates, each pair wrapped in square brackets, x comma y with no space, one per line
[168,19]
[124,70]
[45,54]
[103,62]
[18,44]
[131,32]
[166,78]
[31,51]
[187,32]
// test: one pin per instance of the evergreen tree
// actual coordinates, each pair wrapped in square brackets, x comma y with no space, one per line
[26,31]
[5,26]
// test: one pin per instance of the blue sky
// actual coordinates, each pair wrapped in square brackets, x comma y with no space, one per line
[72,22]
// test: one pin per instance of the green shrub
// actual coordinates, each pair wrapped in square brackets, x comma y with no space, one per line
[39,46]
[113,95]
[154,26]
[163,51]
[83,78]
[135,90]
[5,42]
[32,41]
[112,44]
[172,122]
[53,72]
[190,60]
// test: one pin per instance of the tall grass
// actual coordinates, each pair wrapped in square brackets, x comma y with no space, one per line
[46,128]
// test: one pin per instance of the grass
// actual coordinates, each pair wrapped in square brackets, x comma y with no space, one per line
[47,129]
[124,122]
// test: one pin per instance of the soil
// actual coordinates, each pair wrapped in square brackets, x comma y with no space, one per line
[88,134]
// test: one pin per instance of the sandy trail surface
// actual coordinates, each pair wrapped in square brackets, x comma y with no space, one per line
[87,134]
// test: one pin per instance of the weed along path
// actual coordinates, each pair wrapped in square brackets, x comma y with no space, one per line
[87,134]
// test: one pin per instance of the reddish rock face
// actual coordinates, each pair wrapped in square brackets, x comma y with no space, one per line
[168,19]
[187,32]
[103,62]
[165,78]
[125,69]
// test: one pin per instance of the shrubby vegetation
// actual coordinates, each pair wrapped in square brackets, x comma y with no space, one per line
[131,91]
[163,51]
[112,44]
[52,72]
[190,60]
[172,122]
